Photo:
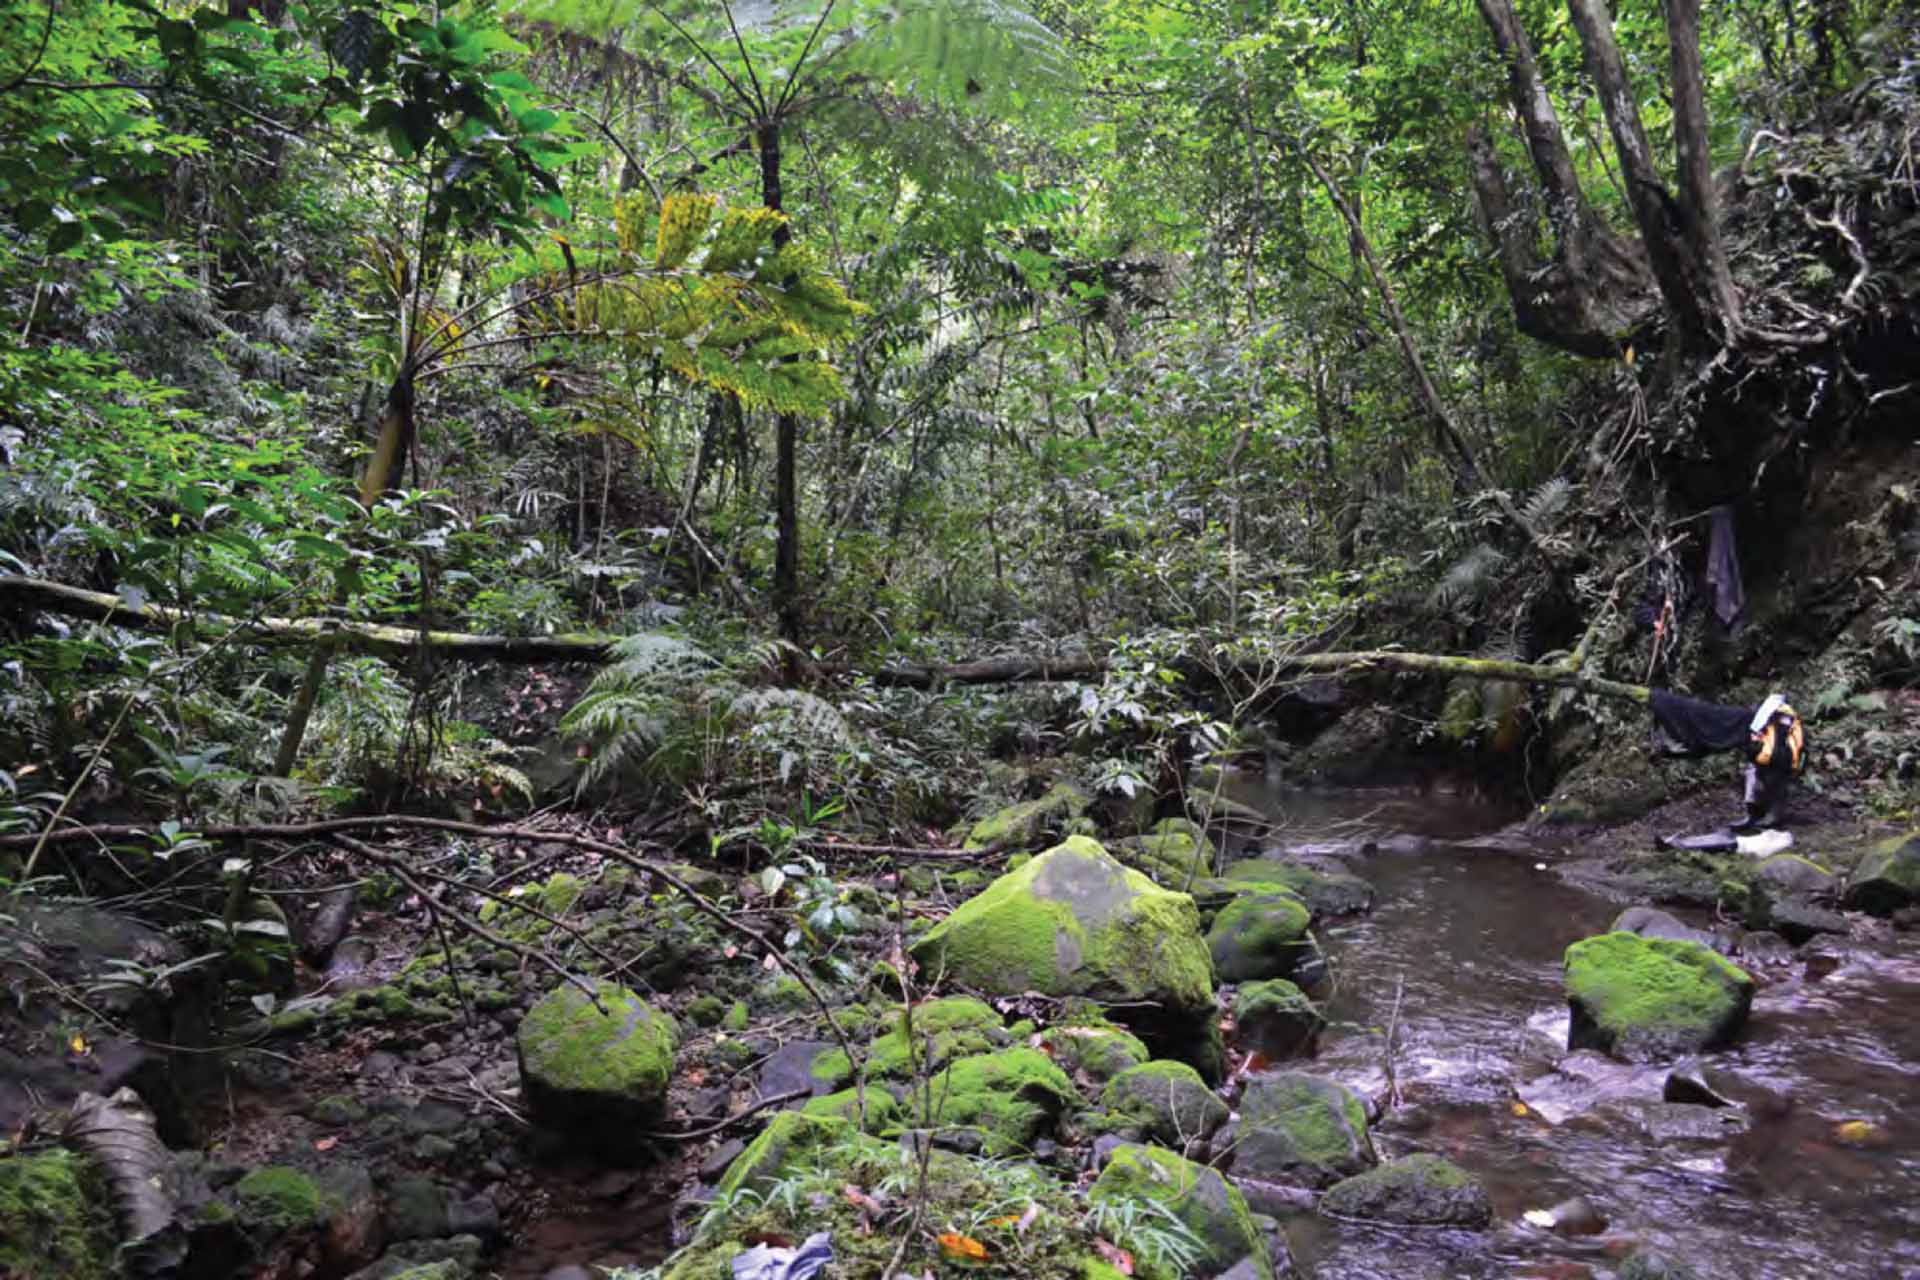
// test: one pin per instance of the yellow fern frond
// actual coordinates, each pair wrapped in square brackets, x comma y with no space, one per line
[684,219]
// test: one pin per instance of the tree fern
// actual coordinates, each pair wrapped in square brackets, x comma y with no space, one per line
[630,708]
[1547,504]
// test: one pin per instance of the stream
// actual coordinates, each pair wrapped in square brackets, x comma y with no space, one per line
[1466,939]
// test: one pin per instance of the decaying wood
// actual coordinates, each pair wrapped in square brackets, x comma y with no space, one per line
[388,641]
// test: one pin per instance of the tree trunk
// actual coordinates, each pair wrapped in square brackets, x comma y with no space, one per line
[786,485]
[1661,217]
[1596,291]
[1705,256]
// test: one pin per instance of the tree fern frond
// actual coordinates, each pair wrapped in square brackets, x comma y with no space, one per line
[811,718]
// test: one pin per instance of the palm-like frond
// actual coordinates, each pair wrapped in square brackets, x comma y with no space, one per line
[1469,579]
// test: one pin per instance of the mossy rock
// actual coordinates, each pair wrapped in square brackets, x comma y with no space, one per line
[1275,1018]
[1221,813]
[706,1011]
[54,1219]
[1176,854]
[1649,1265]
[794,1137]
[1008,1099]
[1328,894]
[553,897]
[1791,873]
[1888,878]
[1260,935]
[882,1109]
[943,1030]
[1030,822]
[1644,999]
[1210,1206]
[1300,1130]
[1418,1190]
[284,1199]
[600,1076]
[1074,922]
[1167,1102]
[1099,1049]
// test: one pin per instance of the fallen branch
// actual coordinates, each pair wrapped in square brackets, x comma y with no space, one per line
[388,641]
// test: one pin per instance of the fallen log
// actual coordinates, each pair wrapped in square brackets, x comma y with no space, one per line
[393,641]
[19,595]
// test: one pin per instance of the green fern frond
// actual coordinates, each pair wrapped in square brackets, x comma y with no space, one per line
[1547,504]
[813,719]
[1469,579]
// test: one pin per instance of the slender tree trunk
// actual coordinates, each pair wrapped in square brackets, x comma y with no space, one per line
[786,487]
[1706,255]
[1468,468]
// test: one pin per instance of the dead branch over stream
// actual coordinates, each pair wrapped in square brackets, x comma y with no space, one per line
[20,594]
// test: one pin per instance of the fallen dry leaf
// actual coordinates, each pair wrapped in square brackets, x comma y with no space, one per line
[326,1144]
[1117,1258]
[955,1245]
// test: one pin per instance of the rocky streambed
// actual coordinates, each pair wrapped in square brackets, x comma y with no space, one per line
[1341,1050]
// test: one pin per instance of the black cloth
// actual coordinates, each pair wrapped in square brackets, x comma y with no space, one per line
[1699,728]
[1723,569]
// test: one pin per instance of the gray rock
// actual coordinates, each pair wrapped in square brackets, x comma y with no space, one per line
[1800,921]
[1166,1101]
[1791,873]
[716,1161]
[433,1116]
[1419,1190]
[1300,1130]
[1666,1122]
[474,1216]
[1649,922]
[434,1149]
[416,1209]
[790,1067]
[1888,878]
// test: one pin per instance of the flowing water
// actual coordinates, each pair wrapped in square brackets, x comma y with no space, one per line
[1465,940]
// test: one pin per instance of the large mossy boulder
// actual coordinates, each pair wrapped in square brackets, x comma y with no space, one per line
[1024,825]
[1327,893]
[1075,922]
[1004,1100]
[1888,877]
[54,1220]
[598,1074]
[942,1031]
[1211,1208]
[1260,935]
[1301,1131]
[1644,999]
[1167,1102]
[1419,1190]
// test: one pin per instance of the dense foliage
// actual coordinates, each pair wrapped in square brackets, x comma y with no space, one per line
[1169,332]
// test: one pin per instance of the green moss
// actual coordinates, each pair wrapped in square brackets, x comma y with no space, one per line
[386,1004]
[1167,1101]
[882,1109]
[1259,935]
[956,1027]
[569,1045]
[1028,822]
[736,1019]
[1007,930]
[1098,1048]
[1008,1097]
[1295,1126]
[1094,1269]
[1654,995]
[283,1198]
[793,1136]
[53,1221]
[785,994]
[1211,1207]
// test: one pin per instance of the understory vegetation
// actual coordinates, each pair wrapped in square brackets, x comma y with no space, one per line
[757,451]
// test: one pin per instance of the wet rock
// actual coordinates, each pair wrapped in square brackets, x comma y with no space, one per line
[434,1116]
[1260,935]
[715,1162]
[1210,1206]
[1574,1216]
[379,1063]
[1300,1130]
[1074,922]
[1888,878]
[1276,1018]
[1418,1190]
[1584,1080]
[1649,1265]
[1103,1148]
[337,1111]
[570,1271]
[450,1259]
[1799,921]
[1693,1083]
[1167,1102]
[1647,922]
[1644,999]
[474,1216]
[1666,1122]
[1403,844]
[417,1208]
[1328,894]
[790,1068]
[600,1078]
[1218,813]
[1763,946]
[1791,873]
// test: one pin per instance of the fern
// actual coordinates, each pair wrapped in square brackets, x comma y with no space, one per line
[630,707]
[1547,504]
[1470,579]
